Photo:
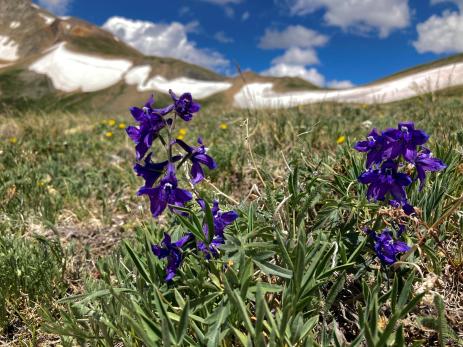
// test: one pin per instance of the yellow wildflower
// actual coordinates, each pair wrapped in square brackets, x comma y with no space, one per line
[182,131]
[230,263]
[122,125]
[223,126]
[382,322]
[108,134]
[40,183]
[112,122]
[341,139]
[13,140]
[180,137]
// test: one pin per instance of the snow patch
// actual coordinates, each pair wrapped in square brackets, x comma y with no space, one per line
[71,71]
[15,25]
[262,95]
[48,19]
[64,17]
[138,75]
[200,89]
[8,49]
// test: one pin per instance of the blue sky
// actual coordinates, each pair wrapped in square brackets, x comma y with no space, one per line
[329,42]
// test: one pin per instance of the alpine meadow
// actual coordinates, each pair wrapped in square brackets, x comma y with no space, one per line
[147,201]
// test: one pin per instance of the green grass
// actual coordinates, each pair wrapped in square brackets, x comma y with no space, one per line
[297,268]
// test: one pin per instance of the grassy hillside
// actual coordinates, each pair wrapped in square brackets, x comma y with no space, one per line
[68,197]
[454,59]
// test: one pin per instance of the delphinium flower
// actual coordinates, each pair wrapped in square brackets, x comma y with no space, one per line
[172,251]
[404,141]
[198,156]
[425,162]
[221,220]
[150,123]
[184,105]
[152,171]
[386,181]
[162,185]
[166,193]
[374,146]
[386,247]
[386,153]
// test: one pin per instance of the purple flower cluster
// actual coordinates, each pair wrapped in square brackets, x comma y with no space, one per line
[386,247]
[174,252]
[151,123]
[161,181]
[387,153]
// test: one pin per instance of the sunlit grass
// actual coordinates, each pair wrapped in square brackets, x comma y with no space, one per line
[67,175]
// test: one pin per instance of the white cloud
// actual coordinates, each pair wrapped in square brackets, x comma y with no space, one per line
[222,37]
[58,7]
[363,15]
[440,34]
[292,36]
[283,70]
[297,56]
[299,44]
[340,84]
[459,3]
[164,40]
[245,16]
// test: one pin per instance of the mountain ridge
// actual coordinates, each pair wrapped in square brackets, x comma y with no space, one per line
[57,62]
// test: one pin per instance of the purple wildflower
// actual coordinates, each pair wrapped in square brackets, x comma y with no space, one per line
[375,146]
[425,162]
[212,249]
[171,251]
[198,156]
[152,171]
[167,193]
[404,141]
[384,181]
[184,106]
[387,181]
[221,220]
[150,122]
[386,248]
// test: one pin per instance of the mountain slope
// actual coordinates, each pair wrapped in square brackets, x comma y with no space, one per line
[49,62]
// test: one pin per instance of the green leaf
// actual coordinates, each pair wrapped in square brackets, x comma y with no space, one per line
[183,325]
[272,269]
[199,234]
[242,337]
[243,312]
[334,291]
[213,333]
[209,221]
[138,263]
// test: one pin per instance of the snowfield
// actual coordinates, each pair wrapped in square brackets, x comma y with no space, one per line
[71,71]
[8,49]
[261,95]
[138,75]
[48,19]
[200,89]
[15,25]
